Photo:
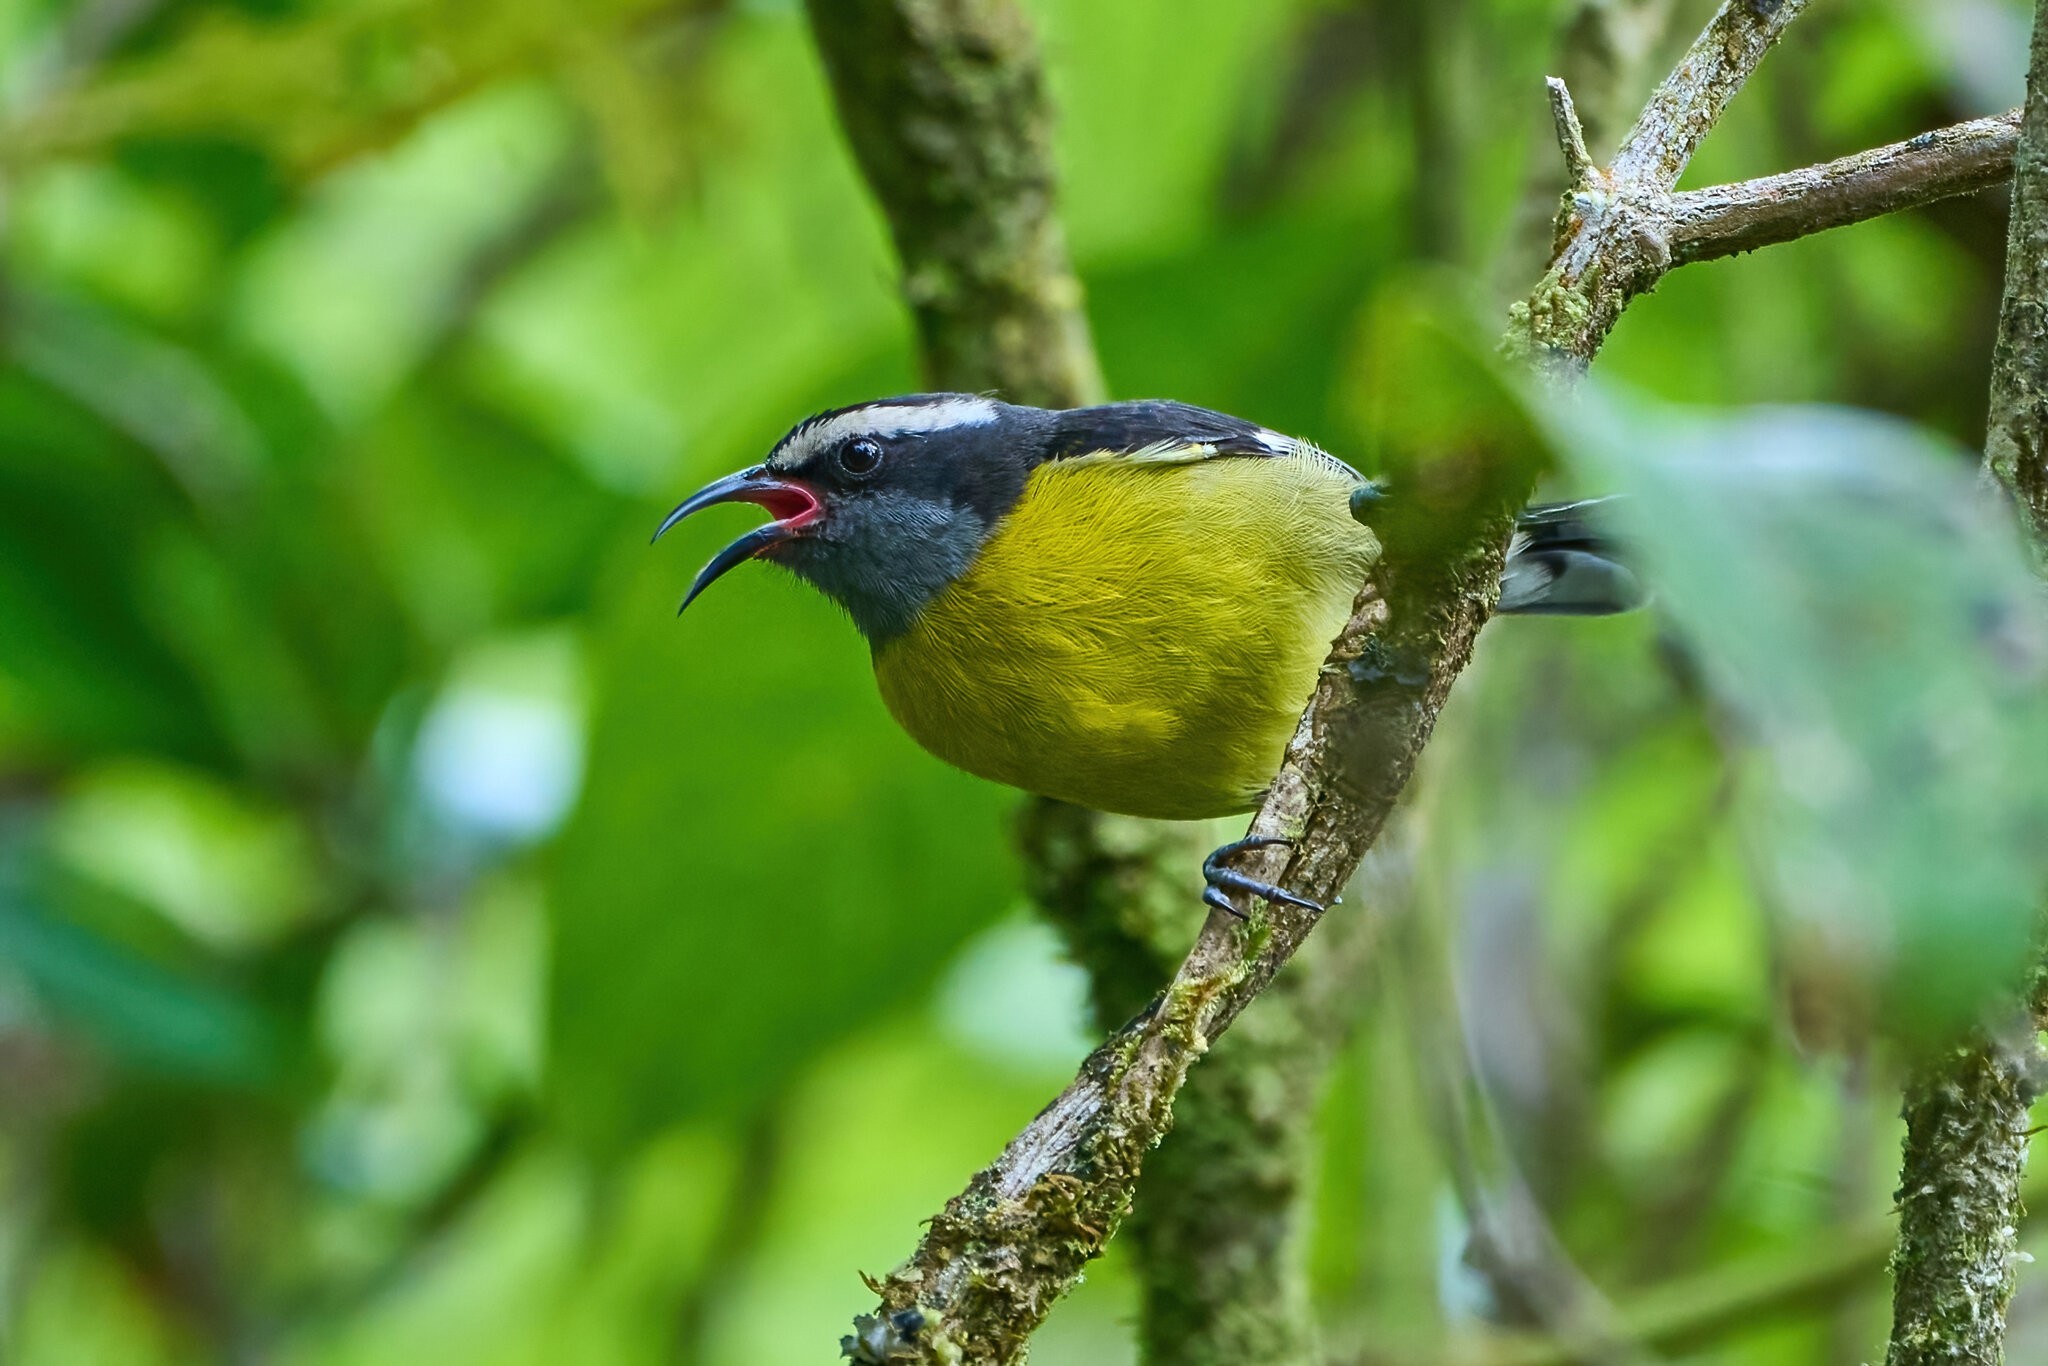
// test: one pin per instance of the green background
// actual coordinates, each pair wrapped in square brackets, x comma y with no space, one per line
[416,945]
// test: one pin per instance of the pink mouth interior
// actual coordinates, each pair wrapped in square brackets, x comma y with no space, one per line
[791,505]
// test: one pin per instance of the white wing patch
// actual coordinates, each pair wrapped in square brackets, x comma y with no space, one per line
[1158,453]
[1171,452]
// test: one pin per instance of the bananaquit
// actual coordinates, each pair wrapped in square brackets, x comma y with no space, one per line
[1124,606]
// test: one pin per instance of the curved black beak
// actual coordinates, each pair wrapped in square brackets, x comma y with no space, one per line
[794,506]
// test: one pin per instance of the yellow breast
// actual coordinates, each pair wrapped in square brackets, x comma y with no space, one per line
[1137,637]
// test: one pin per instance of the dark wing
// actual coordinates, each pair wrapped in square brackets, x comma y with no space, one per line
[1161,429]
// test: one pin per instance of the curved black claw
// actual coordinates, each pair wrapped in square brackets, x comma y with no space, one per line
[1223,881]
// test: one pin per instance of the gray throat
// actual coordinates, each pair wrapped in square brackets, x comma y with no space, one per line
[886,555]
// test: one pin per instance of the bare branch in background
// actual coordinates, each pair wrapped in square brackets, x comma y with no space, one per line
[1966,1114]
[1727,219]
[2016,445]
[1531,1280]
[1693,1314]
[944,105]
[743,1221]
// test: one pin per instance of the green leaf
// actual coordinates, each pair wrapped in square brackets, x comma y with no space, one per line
[1869,616]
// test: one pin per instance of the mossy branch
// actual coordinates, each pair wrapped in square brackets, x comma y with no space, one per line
[944,106]
[2016,443]
[1217,1225]
[1966,1114]
[1964,1153]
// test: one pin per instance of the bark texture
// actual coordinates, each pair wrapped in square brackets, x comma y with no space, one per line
[1218,1219]
[2016,444]
[1965,1149]
[1959,1205]
[944,105]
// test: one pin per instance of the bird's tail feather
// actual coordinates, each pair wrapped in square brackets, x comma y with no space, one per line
[1567,561]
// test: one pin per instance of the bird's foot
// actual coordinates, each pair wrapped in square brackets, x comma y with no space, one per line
[1223,881]
[1366,500]
[1381,661]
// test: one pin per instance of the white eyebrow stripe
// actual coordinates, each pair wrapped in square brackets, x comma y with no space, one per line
[900,420]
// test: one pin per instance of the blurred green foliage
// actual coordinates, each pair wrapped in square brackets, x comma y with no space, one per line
[414,945]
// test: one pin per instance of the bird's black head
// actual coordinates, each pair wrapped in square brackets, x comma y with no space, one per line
[883,504]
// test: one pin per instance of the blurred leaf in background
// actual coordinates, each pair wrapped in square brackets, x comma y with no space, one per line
[1865,611]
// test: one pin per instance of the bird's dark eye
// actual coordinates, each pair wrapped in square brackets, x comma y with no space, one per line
[860,456]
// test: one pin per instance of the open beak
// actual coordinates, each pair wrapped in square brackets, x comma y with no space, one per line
[793,505]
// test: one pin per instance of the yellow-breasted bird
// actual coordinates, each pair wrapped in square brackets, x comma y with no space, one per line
[1122,606]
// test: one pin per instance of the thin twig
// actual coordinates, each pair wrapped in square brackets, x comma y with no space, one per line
[1727,219]
[1571,136]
